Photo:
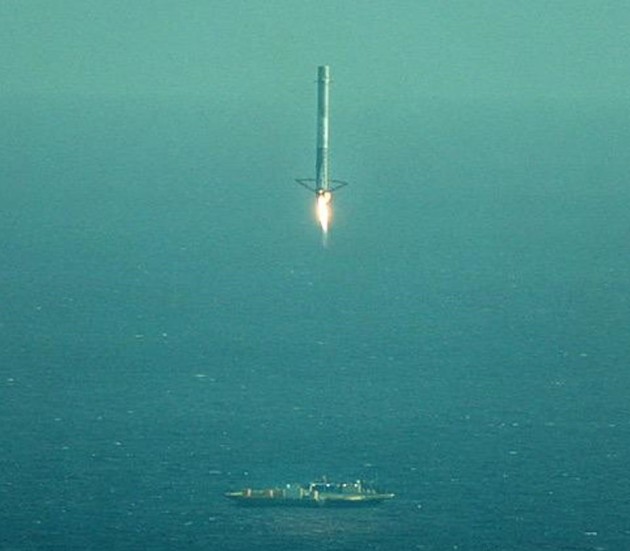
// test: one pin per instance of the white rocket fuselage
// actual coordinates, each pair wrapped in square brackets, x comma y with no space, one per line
[322,177]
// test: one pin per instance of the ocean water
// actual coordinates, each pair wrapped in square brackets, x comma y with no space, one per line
[172,328]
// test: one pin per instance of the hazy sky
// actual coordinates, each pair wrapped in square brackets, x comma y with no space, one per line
[263,50]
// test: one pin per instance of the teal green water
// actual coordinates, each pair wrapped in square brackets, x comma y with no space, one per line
[171,327]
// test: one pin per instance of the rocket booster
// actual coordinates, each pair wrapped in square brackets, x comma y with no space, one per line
[322,185]
[323,119]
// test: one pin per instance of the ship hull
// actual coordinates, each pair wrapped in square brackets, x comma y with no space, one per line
[309,502]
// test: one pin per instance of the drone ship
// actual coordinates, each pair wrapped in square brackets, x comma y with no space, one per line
[315,494]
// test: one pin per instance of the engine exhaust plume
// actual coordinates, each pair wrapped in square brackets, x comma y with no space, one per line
[324,210]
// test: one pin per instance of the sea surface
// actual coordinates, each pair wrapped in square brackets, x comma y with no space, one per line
[171,326]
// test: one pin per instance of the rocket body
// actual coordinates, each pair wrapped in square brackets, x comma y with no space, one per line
[322,172]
